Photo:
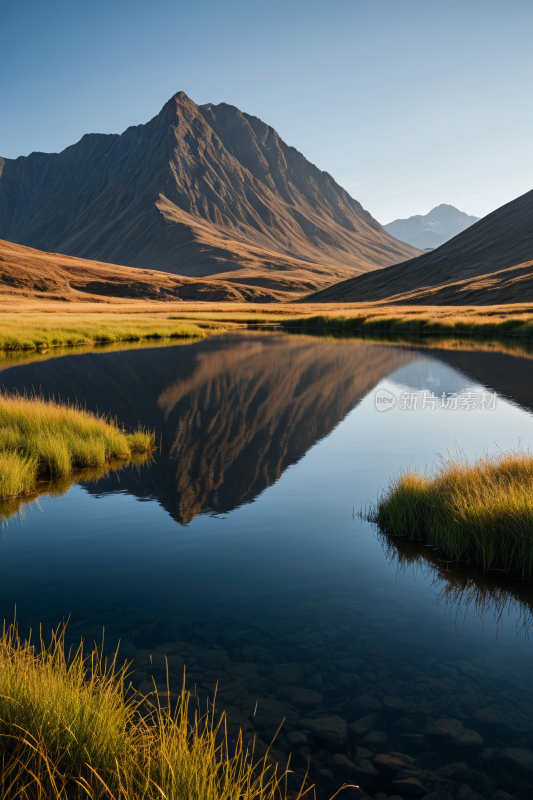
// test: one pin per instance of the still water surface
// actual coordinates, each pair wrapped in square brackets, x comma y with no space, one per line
[238,554]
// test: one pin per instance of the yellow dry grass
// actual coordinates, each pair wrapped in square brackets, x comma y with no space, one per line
[41,439]
[516,321]
[34,330]
[71,728]
[37,327]
[478,510]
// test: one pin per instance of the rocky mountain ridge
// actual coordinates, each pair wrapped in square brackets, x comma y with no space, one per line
[198,191]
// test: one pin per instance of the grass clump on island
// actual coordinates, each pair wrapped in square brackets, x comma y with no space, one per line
[478,510]
[72,728]
[43,439]
[31,331]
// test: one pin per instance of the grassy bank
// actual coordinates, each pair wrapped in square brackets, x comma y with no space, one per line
[30,331]
[43,326]
[71,729]
[418,321]
[41,439]
[479,511]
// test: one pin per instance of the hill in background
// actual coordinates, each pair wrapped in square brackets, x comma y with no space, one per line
[430,231]
[34,275]
[491,262]
[199,191]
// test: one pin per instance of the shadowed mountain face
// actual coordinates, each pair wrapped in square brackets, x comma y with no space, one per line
[490,262]
[233,412]
[198,191]
[440,225]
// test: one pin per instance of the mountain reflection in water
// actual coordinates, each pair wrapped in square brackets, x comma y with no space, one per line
[232,413]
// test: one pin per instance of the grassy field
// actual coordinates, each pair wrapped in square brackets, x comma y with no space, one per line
[41,439]
[72,729]
[32,327]
[516,319]
[479,511]
[30,331]
[420,321]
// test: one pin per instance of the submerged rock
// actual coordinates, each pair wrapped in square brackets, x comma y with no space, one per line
[364,769]
[504,715]
[332,730]
[213,659]
[518,761]
[469,739]
[409,785]
[350,679]
[392,762]
[363,725]
[284,674]
[450,729]
[361,753]
[270,713]
[344,762]
[395,704]
[364,702]
[303,698]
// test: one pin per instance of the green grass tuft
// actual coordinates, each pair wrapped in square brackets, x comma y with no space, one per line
[72,729]
[38,330]
[480,510]
[41,439]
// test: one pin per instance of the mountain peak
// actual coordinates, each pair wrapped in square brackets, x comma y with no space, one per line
[438,226]
[182,97]
[197,191]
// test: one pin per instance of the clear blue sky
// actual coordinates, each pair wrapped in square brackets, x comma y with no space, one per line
[407,104]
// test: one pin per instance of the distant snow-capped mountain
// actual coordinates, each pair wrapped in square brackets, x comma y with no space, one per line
[442,223]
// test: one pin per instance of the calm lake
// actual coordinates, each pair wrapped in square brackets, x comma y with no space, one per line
[238,552]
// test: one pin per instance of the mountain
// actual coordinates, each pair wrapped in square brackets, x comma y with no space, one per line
[439,226]
[35,275]
[199,191]
[489,263]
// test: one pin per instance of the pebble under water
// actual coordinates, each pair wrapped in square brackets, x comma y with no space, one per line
[238,556]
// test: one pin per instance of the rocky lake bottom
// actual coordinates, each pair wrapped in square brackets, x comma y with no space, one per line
[237,559]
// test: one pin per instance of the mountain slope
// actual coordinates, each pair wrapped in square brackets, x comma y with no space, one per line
[491,262]
[437,227]
[35,275]
[197,191]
